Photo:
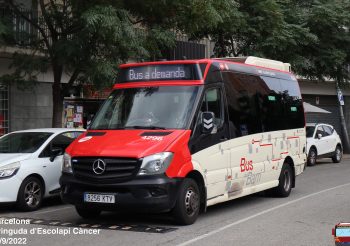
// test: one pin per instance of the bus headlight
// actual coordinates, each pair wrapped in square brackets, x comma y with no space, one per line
[9,170]
[67,164]
[155,164]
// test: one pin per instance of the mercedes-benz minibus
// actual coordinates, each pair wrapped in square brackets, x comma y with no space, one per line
[183,135]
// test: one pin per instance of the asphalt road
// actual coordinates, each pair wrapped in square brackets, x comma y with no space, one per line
[320,200]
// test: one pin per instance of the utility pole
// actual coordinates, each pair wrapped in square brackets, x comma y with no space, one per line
[346,143]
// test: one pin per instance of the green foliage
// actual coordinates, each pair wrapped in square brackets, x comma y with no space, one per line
[88,39]
[328,57]
[312,35]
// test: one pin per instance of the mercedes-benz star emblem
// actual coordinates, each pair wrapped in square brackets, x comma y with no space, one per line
[99,166]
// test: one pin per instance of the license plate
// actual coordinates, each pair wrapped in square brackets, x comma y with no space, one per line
[99,198]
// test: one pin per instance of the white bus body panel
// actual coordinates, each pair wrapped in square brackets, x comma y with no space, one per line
[249,164]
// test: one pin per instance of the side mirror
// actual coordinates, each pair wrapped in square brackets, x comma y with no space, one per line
[54,153]
[319,136]
[89,120]
[207,122]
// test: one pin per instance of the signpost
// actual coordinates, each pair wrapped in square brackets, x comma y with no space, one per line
[340,97]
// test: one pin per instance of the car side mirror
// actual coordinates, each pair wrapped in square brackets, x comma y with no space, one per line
[319,136]
[207,122]
[55,152]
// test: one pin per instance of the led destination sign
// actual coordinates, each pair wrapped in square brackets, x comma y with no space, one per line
[154,73]
[159,73]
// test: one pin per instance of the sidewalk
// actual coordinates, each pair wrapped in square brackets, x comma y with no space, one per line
[346,156]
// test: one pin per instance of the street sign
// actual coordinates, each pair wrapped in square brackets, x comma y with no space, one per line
[340,97]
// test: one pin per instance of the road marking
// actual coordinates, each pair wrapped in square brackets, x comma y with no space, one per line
[258,214]
[52,210]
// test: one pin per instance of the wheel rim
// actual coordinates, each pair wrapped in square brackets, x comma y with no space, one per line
[338,154]
[312,157]
[191,201]
[287,180]
[32,194]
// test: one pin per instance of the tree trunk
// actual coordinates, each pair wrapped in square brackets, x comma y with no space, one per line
[57,98]
[57,108]
[222,47]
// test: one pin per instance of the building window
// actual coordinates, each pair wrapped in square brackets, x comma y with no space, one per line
[4,108]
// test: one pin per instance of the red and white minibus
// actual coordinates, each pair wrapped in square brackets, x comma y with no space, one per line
[183,135]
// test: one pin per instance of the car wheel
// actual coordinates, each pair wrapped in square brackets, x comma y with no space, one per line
[338,154]
[311,157]
[285,182]
[30,194]
[87,213]
[187,205]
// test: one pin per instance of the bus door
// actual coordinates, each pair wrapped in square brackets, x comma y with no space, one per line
[211,149]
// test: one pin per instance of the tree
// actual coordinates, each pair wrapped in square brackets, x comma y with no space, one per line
[268,28]
[69,39]
[329,57]
[87,39]
[312,35]
[167,17]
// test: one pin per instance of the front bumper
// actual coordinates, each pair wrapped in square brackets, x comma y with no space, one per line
[9,189]
[147,194]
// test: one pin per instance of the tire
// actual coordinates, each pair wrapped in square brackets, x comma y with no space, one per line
[285,182]
[312,157]
[187,205]
[337,155]
[30,194]
[87,213]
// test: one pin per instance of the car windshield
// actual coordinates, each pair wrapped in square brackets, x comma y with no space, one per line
[310,131]
[23,142]
[162,107]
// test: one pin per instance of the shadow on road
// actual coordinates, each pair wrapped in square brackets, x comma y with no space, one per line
[48,202]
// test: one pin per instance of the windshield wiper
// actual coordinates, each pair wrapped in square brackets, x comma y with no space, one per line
[147,127]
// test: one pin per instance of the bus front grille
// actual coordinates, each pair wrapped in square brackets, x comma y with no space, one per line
[105,169]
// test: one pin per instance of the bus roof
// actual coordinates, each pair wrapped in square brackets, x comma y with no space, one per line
[197,72]
[245,61]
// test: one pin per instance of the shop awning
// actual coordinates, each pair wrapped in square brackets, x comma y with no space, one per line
[309,108]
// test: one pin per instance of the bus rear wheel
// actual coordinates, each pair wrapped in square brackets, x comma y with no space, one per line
[285,181]
[187,205]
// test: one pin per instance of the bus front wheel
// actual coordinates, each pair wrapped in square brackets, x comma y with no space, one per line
[187,206]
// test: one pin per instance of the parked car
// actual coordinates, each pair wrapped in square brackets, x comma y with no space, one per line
[322,141]
[30,165]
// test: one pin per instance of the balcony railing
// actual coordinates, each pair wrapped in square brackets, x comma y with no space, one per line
[21,32]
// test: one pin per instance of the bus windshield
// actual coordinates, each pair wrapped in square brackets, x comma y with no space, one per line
[159,107]
[342,232]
